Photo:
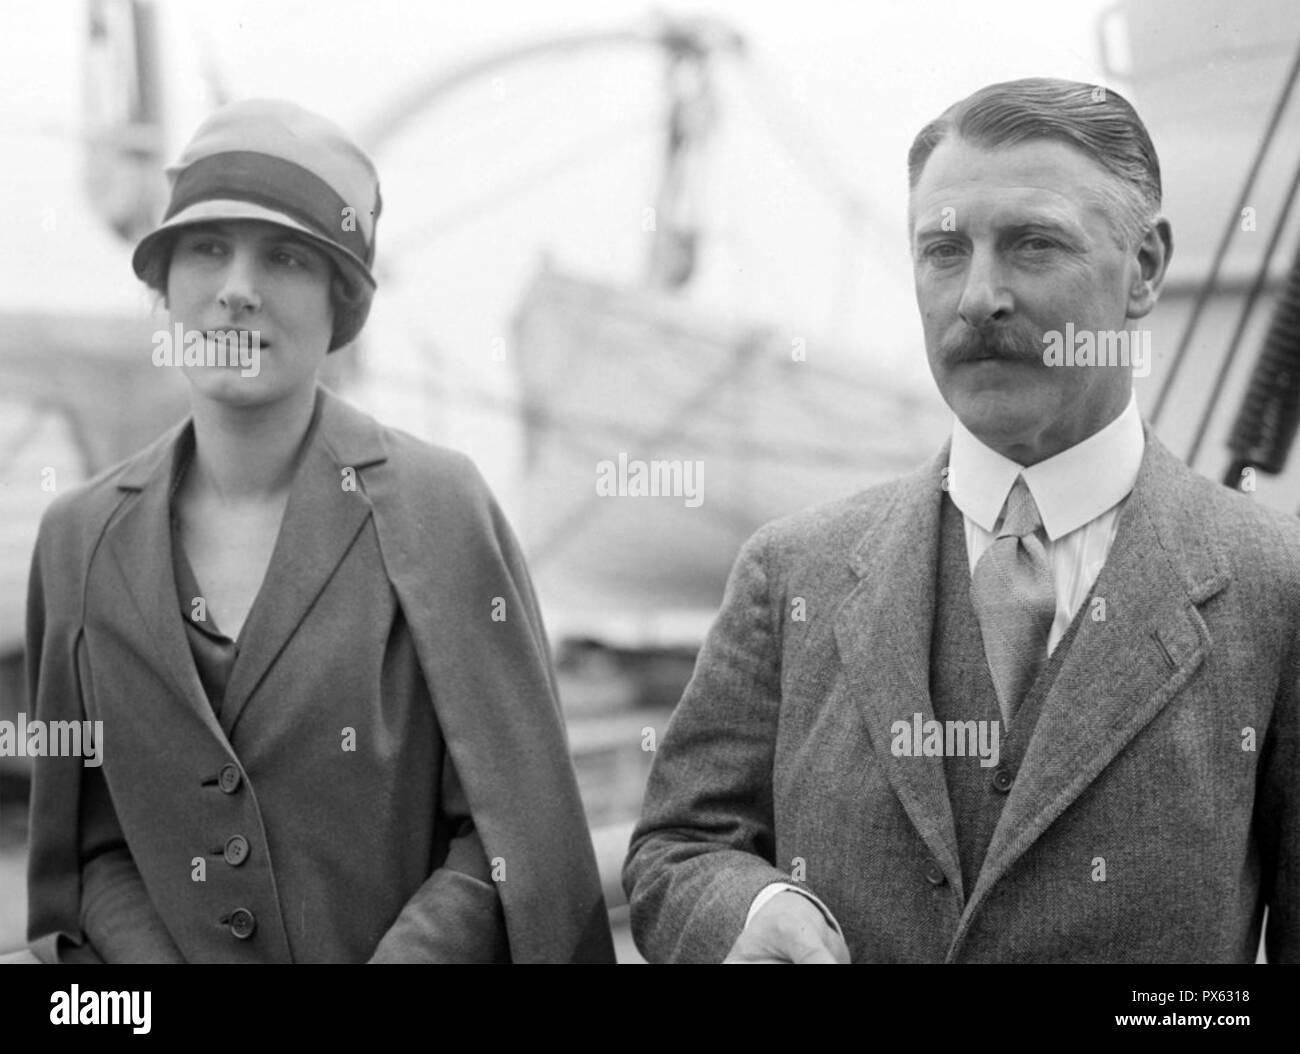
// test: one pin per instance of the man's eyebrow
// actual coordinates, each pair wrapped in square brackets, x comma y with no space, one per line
[1069,234]
[1013,227]
[1047,220]
[933,230]
[1042,223]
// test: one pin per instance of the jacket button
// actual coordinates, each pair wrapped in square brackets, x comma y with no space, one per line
[1002,780]
[934,875]
[236,851]
[242,923]
[229,779]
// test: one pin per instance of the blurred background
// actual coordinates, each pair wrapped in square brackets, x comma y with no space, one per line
[669,233]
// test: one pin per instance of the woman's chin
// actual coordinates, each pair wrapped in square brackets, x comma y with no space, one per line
[230,387]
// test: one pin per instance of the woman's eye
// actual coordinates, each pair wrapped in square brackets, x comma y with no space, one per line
[205,248]
[288,258]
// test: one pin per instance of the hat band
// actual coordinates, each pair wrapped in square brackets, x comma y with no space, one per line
[272,182]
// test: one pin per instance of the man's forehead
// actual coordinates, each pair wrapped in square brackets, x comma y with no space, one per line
[1028,160]
[1039,178]
[1002,207]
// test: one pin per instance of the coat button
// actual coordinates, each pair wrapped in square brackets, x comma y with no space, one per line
[934,874]
[1002,780]
[242,923]
[229,779]
[236,851]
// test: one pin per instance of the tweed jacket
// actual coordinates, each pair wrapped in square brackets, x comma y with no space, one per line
[373,513]
[1154,816]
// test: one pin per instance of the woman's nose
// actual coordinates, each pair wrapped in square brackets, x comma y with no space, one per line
[239,287]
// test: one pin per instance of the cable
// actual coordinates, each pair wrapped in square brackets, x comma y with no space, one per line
[1247,309]
[1211,279]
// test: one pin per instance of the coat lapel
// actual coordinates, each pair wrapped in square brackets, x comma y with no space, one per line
[139,542]
[1120,672]
[326,510]
[883,631]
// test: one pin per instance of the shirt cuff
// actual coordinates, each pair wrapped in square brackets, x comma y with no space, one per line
[768,892]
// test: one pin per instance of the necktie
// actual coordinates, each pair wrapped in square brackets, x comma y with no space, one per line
[1014,600]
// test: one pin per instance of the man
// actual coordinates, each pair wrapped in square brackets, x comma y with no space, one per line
[1037,701]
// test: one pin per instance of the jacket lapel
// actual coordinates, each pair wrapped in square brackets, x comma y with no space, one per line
[1120,672]
[139,542]
[883,631]
[327,508]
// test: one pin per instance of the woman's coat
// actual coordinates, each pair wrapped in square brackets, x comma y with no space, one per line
[105,643]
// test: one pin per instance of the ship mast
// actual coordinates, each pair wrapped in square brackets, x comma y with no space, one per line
[690,45]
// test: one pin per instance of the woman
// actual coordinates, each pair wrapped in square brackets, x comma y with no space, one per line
[330,730]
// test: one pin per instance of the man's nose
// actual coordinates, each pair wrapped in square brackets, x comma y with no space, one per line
[239,286]
[986,297]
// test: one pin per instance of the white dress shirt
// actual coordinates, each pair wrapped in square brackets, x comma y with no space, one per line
[1078,493]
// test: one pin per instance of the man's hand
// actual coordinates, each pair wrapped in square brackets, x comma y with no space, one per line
[789,928]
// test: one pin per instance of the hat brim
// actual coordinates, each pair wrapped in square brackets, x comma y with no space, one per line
[354,269]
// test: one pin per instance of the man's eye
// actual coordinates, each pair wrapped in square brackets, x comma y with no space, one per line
[1036,243]
[942,251]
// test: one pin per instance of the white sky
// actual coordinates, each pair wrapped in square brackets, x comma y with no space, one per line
[844,86]
[859,78]
[824,107]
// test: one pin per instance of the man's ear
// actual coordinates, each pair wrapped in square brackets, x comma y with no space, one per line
[1153,253]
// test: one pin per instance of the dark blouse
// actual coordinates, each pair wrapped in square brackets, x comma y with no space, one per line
[214,653]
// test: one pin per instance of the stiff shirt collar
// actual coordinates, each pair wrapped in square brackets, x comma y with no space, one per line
[1071,488]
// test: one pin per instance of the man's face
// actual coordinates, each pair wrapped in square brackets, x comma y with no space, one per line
[259,277]
[1009,244]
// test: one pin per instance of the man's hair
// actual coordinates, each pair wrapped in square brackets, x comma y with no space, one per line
[1096,121]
